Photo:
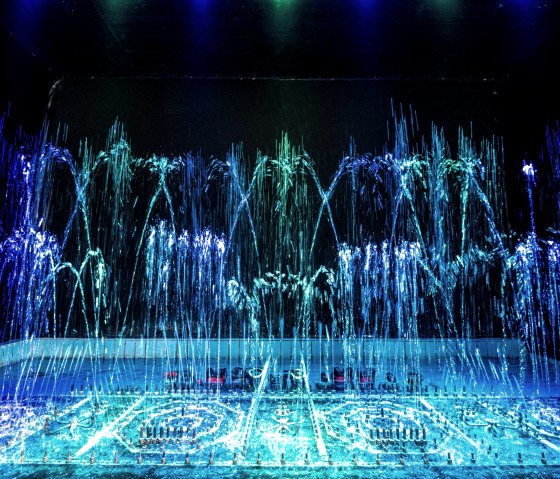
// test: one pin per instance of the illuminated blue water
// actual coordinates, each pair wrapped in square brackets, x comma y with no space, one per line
[317,284]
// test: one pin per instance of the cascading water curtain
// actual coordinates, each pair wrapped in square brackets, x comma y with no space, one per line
[401,246]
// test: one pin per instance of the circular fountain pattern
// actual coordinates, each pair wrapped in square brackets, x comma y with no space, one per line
[366,432]
[381,429]
[183,426]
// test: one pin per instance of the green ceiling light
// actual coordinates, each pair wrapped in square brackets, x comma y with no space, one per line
[118,6]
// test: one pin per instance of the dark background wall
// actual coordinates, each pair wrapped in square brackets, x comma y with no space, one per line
[178,115]
[25,82]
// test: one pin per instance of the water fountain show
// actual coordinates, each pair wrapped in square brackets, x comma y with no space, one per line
[279,239]
[238,313]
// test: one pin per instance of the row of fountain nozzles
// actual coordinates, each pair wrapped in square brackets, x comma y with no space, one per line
[384,434]
[168,430]
[92,459]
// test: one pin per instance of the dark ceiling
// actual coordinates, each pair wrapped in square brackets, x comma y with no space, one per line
[509,47]
[395,39]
